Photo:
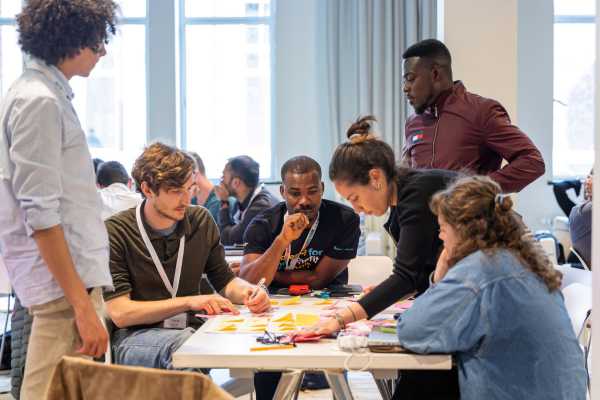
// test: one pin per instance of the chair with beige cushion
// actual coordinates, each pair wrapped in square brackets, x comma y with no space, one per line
[80,379]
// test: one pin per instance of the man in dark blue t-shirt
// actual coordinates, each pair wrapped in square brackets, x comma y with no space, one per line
[304,239]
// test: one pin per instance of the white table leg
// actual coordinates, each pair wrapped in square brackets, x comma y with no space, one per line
[238,386]
[241,382]
[339,385]
[287,385]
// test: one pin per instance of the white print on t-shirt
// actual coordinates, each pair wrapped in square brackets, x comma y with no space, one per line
[307,260]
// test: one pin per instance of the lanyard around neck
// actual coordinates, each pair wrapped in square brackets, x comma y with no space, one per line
[288,251]
[239,215]
[159,267]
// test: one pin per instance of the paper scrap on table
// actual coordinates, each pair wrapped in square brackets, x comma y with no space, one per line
[324,302]
[308,319]
[258,326]
[284,325]
[286,328]
[289,317]
[228,328]
[291,302]
[234,319]
[257,329]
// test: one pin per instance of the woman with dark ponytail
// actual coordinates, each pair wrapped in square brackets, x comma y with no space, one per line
[495,304]
[365,173]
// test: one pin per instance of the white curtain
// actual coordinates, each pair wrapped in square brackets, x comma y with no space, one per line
[364,42]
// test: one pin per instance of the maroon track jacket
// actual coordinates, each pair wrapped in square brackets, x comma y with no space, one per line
[466,132]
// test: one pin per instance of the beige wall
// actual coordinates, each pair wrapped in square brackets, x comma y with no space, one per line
[503,49]
[482,37]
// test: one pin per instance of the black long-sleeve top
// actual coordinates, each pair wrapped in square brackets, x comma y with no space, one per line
[415,230]
[232,232]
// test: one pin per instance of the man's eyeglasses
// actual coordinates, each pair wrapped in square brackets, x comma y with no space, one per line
[270,338]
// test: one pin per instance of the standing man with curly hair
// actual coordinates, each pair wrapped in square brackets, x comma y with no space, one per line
[52,237]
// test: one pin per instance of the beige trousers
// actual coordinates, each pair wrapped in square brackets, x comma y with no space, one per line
[53,335]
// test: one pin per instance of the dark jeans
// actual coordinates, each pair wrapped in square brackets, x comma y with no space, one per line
[430,385]
[265,384]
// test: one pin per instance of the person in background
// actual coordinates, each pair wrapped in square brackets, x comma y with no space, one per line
[365,173]
[240,180]
[495,303]
[204,191]
[114,186]
[52,237]
[580,223]
[460,131]
[97,162]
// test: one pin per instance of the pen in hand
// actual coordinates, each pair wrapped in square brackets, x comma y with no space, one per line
[259,285]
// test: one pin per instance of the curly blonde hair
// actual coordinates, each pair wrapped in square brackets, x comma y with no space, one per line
[162,166]
[484,220]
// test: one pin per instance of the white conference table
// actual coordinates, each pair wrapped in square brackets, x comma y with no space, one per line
[232,350]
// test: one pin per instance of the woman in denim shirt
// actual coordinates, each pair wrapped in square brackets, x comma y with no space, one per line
[495,303]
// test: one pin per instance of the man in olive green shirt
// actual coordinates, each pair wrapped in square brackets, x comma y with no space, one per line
[158,253]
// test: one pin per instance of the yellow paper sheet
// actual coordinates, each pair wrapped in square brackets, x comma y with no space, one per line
[259,326]
[234,319]
[285,325]
[287,329]
[324,302]
[284,318]
[308,319]
[227,328]
[291,302]
[257,329]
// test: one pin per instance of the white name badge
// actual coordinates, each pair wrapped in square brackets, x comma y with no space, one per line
[178,321]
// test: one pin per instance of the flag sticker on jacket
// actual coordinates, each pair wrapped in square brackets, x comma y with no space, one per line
[417,137]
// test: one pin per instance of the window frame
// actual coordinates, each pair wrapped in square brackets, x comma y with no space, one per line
[183,22]
[568,19]
[5,21]
[141,21]
[166,104]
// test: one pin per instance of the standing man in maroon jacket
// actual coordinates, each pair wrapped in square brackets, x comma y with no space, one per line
[457,130]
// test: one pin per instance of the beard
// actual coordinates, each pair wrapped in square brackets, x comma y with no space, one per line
[166,213]
[230,191]
[420,109]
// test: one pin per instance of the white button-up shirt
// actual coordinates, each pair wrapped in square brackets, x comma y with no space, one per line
[116,198]
[47,179]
